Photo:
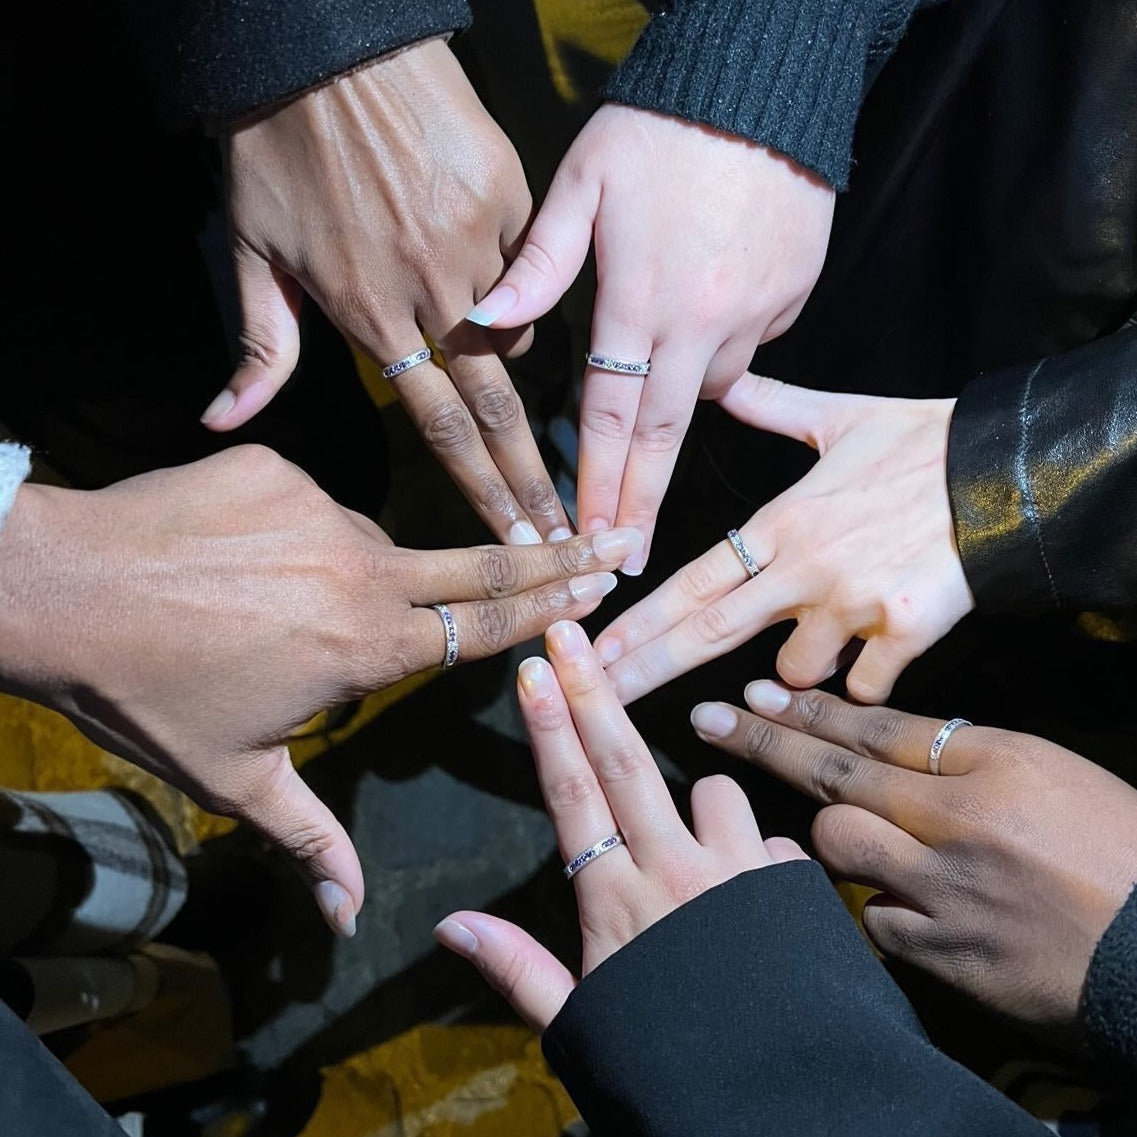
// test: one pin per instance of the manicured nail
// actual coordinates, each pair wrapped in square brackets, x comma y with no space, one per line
[567,639]
[715,720]
[337,908]
[585,589]
[493,305]
[224,402]
[614,544]
[561,533]
[634,565]
[457,937]
[523,533]
[536,678]
[609,650]
[766,697]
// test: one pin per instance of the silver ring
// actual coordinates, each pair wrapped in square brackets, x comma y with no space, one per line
[406,363]
[451,629]
[589,855]
[618,366]
[940,741]
[744,555]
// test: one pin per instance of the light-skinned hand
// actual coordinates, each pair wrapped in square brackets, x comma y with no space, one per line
[393,199]
[862,547]
[998,876]
[598,777]
[191,619]
[706,246]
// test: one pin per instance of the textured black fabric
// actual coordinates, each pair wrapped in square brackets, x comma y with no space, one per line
[218,60]
[757,1008]
[789,74]
[1042,473]
[37,1095]
[1109,998]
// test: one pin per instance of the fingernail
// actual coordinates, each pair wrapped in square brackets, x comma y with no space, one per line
[457,937]
[609,650]
[337,908]
[634,565]
[536,678]
[614,544]
[523,533]
[766,697]
[714,719]
[224,402]
[567,639]
[495,304]
[593,587]
[561,533]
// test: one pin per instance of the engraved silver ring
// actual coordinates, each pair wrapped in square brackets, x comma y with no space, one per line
[406,363]
[940,741]
[618,366]
[451,628]
[590,854]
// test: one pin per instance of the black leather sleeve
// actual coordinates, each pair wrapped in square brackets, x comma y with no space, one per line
[215,61]
[757,1008]
[1042,474]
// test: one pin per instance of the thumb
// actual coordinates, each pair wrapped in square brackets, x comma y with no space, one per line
[549,261]
[270,340]
[795,412]
[533,981]
[287,813]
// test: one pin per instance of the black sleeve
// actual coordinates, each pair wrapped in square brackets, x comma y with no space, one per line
[1042,475]
[789,74]
[37,1095]
[215,61]
[757,1008]
[1109,998]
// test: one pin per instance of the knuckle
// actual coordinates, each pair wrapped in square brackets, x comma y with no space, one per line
[880,734]
[538,497]
[537,260]
[569,792]
[710,625]
[497,409]
[493,497]
[620,762]
[759,739]
[811,710]
[698,582]
[659,437]
[512,975]
[605,423]
[498,572]
[568,558]
[834,775]
[448,428]
[496,624]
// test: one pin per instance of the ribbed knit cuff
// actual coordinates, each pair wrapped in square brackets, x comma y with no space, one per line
[15,465]
[788,74]
[1109,999]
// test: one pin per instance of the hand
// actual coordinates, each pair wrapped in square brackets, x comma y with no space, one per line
[598,777]
[999,876]
[191,619]
[706,246]
[394,200]
[863,546]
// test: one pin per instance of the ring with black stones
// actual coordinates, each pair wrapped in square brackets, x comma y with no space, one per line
[744,554]
[451,628]
[406,363]
[618,366]
[940,741]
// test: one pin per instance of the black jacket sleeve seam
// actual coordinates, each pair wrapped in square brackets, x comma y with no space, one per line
[1030,507]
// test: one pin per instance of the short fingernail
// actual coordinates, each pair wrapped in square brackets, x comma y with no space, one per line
[567,639]
[536,678]
[337,908]
[766,697]
[523,533]
[495,304]
[561,533]
[457,937]
[634,565]
[609,650]
[221,405]
[714,719]
[588,588]
[617,544]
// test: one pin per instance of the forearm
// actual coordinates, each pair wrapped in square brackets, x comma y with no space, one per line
[223,61]
[788,74]
[1042,474]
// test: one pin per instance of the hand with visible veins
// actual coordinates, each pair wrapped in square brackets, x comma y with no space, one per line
[393,199]
[191,619]
[707,245]
[598,777]
[999,876]
[861,548]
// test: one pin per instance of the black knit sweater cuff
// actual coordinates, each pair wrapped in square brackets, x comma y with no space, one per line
[788,74]
[1109,998]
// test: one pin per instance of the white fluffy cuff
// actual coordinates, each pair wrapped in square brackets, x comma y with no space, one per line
[15,464]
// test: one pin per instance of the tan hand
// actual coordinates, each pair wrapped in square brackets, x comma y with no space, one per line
[395,201]
[999,876]
[191,619]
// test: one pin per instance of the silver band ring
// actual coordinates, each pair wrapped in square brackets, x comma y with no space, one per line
[589,855]
[744,554]
[618,366]
[406,363]
[940,741]
[451,629]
